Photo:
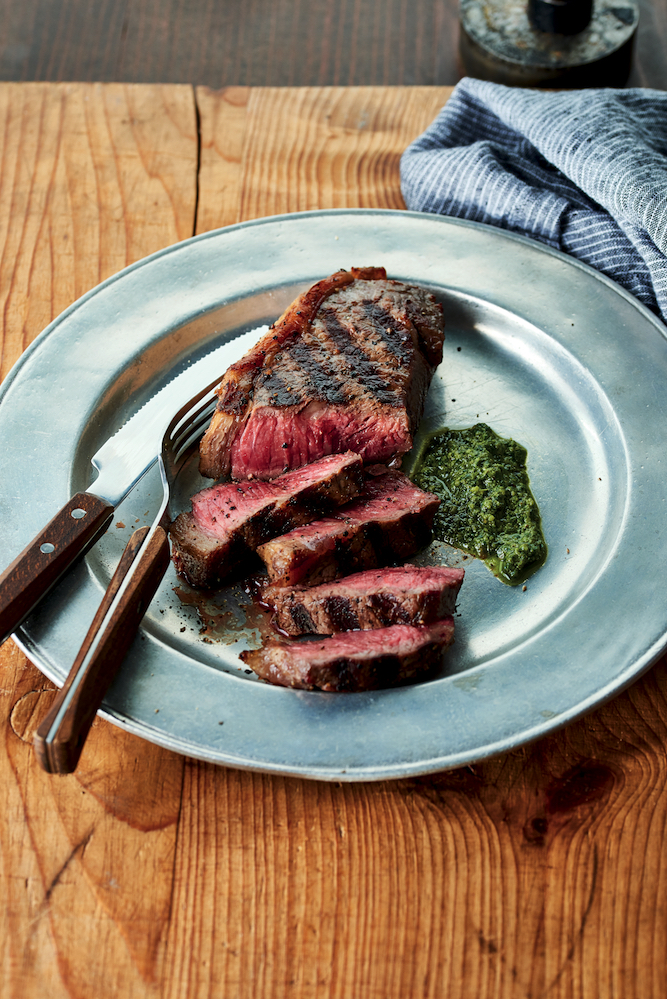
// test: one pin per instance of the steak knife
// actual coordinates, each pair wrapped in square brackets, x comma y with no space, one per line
[121,462]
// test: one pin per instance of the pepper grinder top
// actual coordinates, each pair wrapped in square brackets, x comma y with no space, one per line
[549,43]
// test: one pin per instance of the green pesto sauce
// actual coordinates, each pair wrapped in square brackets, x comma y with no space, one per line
[487,507]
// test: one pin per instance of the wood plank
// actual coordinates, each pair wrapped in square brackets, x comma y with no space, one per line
[256,43]
[495,881]
[539,873]
[267,151]
[223,127]
[649,68]
[259,43]
[87,859]
[92,178]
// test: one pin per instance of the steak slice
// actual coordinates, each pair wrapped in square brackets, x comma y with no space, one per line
[229,521]
[390,521]
[356,660]
[374,599]
[346,367]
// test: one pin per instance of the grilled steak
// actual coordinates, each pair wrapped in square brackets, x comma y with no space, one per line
[389,522]
[346,367]
[355,660]
[373,599]
[230,520]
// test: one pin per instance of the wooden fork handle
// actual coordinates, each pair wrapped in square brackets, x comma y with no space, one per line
[59,751]
[31,575]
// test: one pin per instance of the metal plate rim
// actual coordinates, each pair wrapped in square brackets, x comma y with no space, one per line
[621,680]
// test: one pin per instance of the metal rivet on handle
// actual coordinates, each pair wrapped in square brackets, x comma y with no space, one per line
[78,513]
[47,548]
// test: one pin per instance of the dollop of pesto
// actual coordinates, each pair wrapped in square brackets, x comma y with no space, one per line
[487,508]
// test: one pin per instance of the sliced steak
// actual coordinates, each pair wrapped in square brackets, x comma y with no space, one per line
[374,599]
[229,521]
[389,522]
[355,660]
[346,367]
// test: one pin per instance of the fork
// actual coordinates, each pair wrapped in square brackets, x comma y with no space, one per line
[61,736]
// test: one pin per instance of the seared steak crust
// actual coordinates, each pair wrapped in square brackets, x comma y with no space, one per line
[356,660]
[230,520]
[347,367]
[373,599]
[390,521]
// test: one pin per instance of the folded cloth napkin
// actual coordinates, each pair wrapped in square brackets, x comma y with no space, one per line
[583,171]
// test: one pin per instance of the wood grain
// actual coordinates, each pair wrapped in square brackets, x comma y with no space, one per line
[92,178]
[250,43]
[541,873]
[299,149]
[259,43]
[649,67]
[86,860]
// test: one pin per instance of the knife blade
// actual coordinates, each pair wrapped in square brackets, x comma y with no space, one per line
[121,463]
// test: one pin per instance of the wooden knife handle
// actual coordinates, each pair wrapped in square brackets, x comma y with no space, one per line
[61,753]
[73,530]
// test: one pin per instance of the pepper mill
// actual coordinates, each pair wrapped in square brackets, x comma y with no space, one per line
[549,43]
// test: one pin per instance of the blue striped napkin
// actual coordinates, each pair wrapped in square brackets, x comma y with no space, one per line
[583,171]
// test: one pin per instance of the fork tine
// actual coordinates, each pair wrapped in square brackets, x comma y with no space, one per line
[187,443]
[194,416]
[194,427]
[184,414]
[190,420]
[179,427]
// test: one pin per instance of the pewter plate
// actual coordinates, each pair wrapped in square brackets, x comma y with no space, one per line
[540,347]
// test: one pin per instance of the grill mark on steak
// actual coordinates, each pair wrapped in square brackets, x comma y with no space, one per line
[376,598]
[229,521]
[389,522]
[236,389]
[361,365]
[302,620]
[280,392]
[388,608]
[389,330]
[346,367]
[310,379]
[341,613]
[356,660]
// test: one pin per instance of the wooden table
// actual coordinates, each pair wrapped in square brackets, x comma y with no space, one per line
[540,873]
[260,43]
